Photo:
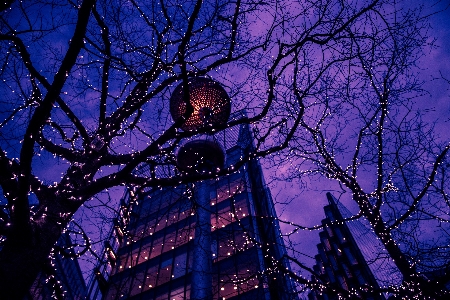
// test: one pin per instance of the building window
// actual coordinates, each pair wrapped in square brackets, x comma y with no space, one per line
[177,294]
[180,265]
[138,283]
[157,247]
[150,278]
[165,271]
[350,256]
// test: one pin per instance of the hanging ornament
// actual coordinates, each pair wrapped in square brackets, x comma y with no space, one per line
[208,98]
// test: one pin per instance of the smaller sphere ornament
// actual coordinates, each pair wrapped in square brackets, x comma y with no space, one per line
[200,156]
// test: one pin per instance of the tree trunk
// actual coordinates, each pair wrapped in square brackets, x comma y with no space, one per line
[21,259]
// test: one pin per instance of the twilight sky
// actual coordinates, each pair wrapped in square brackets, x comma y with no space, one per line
[304,204]
[300,203]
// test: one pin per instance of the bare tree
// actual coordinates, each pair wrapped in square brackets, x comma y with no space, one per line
[363,129]
[86,85]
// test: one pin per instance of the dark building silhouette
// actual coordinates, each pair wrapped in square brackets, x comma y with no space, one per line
[341,263]
[66,271]
[150,256]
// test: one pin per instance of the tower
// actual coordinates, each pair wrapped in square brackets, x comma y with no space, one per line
[350,256]
[154,254]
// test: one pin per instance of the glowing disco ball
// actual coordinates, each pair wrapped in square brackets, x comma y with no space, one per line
[210,102]
[200,156]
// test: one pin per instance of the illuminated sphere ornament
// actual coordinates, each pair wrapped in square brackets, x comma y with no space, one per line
[200,156]
[208,98]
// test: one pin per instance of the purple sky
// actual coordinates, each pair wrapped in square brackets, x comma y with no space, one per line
[304,203]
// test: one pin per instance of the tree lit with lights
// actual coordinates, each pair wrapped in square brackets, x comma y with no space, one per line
[327,86]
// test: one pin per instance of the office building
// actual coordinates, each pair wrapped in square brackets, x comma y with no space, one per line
[151,255]
[350,257]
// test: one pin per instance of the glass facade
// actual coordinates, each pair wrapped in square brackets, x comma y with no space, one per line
[153,258]
[340,261]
